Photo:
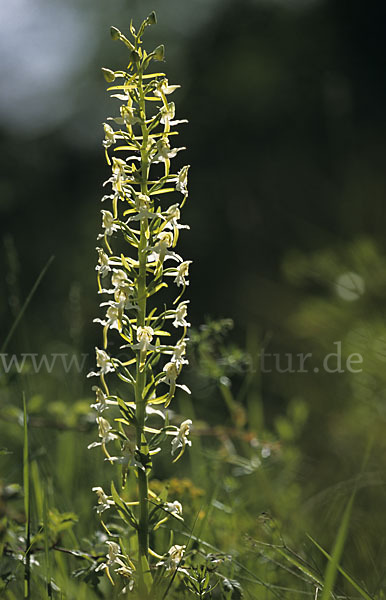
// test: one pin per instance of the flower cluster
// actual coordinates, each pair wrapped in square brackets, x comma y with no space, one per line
[136,256]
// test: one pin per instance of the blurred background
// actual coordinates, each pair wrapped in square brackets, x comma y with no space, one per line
[286,102]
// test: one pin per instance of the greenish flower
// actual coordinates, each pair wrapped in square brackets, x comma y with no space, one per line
[108,223]
[104,432]
[103,361]
[103,267]
[160,251]
[173,558]
[110,136]
[102,402]
[104,502]
[163,88]
[182,180]
[163,150]
[181,272]
[181,439]
[180,315]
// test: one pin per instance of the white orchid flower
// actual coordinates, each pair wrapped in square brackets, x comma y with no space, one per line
[144,337]
[104,432]
[163,88]
[113,320]
[128,116]
[103,361]
[110,136]
[167,113]
[181,272]
[119,176]
[108,224]
[173,558]
[172,216]
[104,501]
[127,456]
[174,508]
[179,353]
[103,267]
[102,402]
[181,439]
[113,317]
[172,370]
[142,204]
[114,557]
[182,180]
[181,314]
[163,150]
[119,278]
[161,249]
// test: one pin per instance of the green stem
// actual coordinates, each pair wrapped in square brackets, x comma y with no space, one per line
[27,506]
[140,414]
[143,528]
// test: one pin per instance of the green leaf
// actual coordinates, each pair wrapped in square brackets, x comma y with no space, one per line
[124,421]
[152,291]
[163,191]
[125,148]
[147,578]
[124,510]
[127,411]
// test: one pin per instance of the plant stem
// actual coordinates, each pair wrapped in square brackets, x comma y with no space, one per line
[140,412]
[27,505]
[143,525]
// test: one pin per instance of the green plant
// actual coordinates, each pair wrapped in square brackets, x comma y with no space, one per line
[143,228]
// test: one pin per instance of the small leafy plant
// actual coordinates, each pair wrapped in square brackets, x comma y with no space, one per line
[137,259]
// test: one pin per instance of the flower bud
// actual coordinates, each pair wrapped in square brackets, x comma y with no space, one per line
[115,33]
[134,56]
[108,75]
[152,18]
[159,52]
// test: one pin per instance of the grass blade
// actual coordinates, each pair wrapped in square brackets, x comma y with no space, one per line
[299,565]
[27,505]
[46,546]
[348,578]
[333,563]
[333,566]
[26,303]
